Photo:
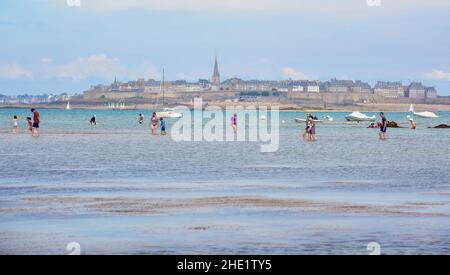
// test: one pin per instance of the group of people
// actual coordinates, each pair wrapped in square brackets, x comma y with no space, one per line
[310,129]
[384,125]
[33,123]
[308,134]
[154,121]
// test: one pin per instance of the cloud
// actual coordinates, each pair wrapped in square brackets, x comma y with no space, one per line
[91,66]
[293,74]
[184,76]
[440,75]
[13,71]
[46,60]
[144,70]
[96,66]
[262,5]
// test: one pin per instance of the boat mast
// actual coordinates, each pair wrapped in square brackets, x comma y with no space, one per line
[163,89]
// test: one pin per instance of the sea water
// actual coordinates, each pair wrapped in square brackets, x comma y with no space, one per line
[114,188]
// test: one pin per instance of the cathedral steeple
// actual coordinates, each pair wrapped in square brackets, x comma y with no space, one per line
[215,80]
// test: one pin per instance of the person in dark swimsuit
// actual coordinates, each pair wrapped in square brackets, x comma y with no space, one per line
[93,120]
[383,126]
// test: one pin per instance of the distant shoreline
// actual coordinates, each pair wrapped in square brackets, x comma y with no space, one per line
[282,107]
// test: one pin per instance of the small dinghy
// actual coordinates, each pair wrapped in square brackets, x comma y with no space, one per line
[357,116]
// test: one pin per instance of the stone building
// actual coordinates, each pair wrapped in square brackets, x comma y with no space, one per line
[389,89]
[416,90]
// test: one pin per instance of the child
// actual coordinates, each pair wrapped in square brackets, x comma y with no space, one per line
[163,126]
[15,125]
[30,124]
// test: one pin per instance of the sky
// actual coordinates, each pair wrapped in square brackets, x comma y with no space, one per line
[56,46]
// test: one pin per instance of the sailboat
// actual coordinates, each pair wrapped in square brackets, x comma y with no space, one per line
[68,105]
[422,114]
[167,112]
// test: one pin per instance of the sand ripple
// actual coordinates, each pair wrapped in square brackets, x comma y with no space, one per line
[138,206]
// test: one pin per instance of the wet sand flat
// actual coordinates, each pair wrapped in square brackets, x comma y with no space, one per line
[116,189]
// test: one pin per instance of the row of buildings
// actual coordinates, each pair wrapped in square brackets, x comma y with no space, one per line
[33,99]
[385,89]
[382,88]
[397,90]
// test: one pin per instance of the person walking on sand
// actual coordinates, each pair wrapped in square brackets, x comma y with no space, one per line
[36,121]
[154,123]
[234,122]
[15,125]
[162,122]
[383,127]
[141,118]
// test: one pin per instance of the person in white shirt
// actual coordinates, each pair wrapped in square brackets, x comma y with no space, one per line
[15,125]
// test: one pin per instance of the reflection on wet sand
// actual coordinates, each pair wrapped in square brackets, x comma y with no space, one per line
[146,206]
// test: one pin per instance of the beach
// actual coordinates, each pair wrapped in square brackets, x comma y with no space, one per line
[115,189]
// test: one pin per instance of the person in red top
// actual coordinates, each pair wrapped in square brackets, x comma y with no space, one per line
[36,121]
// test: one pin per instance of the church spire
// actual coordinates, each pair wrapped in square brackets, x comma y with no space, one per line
[215,80]
[216,68]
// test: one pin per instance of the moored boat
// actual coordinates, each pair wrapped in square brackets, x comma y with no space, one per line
[425,114]
[357,116]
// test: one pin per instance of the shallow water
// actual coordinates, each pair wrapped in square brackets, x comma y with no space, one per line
[116,189]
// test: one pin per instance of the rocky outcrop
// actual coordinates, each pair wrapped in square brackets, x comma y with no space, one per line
[393,124]
[441,126]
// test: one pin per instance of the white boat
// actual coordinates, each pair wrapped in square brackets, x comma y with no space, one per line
[357,116]
[169,114]
[422,114]
[328,118]
[303,120]
[68,105]
[426,114]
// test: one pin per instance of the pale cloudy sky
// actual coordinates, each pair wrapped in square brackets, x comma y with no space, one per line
[60,46]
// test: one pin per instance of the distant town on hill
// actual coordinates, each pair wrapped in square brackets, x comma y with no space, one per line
[150,91]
